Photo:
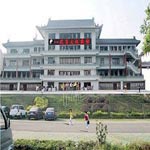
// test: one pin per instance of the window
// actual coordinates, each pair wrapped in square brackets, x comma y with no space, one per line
[87,60]
[26,51]
[51,72]
[103,48]
[97,47]
[34,61]
[25,63]
[70,60]
[87,47]
[120,48]
[87,72]
[13,51]
[115,61]
[69,73]
[51,35]
[51,60]
[87,35]
[13,63]
[102,61]
[69,35]
[113,48]
[51,47]
[42,61]
[35,49]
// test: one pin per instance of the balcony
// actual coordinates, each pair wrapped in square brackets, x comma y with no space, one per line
[113,66]
[121,78]
[132,52]
[69,66]
[15,68]
[69,52]
[17,56]
[69,78]
[22,80]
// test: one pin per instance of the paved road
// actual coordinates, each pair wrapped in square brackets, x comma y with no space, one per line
[140,126]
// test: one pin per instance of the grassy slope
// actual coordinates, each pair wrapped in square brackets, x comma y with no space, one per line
[123,103]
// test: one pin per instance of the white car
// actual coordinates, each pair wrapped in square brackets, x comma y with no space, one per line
[17,111]
[6,137]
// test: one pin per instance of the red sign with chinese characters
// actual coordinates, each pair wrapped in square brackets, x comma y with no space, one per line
[86,41]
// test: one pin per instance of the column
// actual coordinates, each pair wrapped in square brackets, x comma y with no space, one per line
[93,36]
[18,86]
[45,83]
[109,65]
[57,46]
[46,42]
[45,72]
[121,85]
[94,84]
[82,59]
[56,86]
[82,36]
[82,85]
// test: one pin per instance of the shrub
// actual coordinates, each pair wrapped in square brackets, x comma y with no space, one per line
[136,115]
[118,115]
[100,114]
[147,115]
[23,144]
[101,132]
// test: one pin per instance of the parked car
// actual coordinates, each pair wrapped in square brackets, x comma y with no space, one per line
[35,113]
[5,132]
[17,111]
[6,110]
[50,114]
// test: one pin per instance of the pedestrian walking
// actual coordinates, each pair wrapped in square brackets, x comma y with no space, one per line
[87,121]
[139,88]
[71,116]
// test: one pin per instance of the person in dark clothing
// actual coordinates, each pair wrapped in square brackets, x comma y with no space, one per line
[86,118]
[139,88]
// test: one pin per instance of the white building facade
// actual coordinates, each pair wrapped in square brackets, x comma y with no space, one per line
[72,56]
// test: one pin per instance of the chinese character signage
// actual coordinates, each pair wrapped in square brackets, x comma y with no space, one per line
[86,41]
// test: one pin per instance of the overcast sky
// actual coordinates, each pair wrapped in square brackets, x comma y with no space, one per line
[120,18]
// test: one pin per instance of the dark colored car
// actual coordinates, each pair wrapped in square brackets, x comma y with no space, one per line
[6,110]
[50,114]
[35,113]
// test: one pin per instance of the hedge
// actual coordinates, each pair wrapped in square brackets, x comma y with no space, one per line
[100,114]
[106,115]
[23,144]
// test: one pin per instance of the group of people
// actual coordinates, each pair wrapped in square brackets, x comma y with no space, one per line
[86,118]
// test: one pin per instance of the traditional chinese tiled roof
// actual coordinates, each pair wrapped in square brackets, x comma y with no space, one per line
[23,43]
[118,41]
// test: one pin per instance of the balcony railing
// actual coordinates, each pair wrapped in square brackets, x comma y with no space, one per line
[69,78]
[122,78]
[19,79]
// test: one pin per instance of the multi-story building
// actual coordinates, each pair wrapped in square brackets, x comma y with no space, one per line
[72,56]
[1,61]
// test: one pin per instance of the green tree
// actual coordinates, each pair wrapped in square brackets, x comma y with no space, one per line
[145,30]
[41,102]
